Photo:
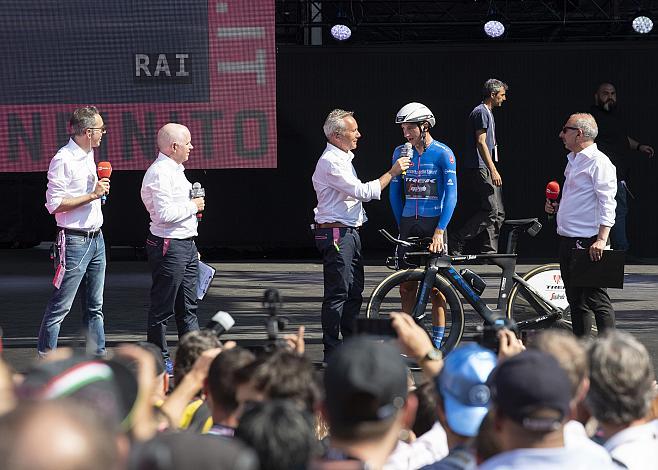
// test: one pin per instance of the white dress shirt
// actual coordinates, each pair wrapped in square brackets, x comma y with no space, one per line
[72,173]
[166,196]
[576,437]
[588,195]
[340,192]
[552,458]
[636,447]
[428,448]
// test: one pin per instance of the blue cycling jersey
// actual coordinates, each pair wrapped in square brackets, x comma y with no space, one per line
[429,186]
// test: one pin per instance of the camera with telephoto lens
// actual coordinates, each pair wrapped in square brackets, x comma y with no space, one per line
[275,323]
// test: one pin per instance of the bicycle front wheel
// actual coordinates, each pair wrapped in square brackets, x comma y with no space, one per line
[386,298]
[547,281]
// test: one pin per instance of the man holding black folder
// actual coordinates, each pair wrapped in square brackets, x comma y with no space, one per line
[586,213]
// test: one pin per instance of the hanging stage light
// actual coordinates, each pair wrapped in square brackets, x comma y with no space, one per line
[342,26]
[341,32]
[642,23]
[494,28]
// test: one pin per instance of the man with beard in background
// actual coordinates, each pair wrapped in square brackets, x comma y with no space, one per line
[615,141]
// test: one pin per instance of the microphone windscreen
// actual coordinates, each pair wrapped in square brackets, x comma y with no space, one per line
[408,149]
[552,190]
[104,169]
[221,319]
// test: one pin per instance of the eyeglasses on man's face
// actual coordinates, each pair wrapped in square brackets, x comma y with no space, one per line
[102,129]
[567,128]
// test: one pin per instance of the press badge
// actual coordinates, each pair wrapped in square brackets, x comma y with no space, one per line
[61,266]
[59,276]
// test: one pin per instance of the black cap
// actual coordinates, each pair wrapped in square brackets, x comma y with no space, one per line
[365,380]
[529,383]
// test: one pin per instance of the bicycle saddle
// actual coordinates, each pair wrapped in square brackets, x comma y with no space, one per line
[520,222]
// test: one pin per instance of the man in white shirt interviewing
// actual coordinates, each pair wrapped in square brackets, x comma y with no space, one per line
[74,197]
[586,213]
[170,248]
[338,217]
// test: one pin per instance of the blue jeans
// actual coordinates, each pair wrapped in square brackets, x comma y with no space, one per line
[85,269]
[618,237]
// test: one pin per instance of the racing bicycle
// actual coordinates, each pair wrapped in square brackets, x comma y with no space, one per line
[533,301]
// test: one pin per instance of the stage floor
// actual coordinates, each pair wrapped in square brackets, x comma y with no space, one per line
[25,285]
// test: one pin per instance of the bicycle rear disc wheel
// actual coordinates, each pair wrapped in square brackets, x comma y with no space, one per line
[547,280]
[386,299]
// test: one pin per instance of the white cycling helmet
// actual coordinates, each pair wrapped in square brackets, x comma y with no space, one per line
[415,112]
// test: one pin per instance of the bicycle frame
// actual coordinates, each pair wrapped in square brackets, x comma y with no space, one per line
[442,265]
[438,264]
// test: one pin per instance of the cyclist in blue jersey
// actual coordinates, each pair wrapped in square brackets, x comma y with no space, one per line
[424,198]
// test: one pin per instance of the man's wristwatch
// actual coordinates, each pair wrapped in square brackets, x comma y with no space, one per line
[432,355]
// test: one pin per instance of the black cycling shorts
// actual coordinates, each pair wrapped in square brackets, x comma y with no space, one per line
[421,227]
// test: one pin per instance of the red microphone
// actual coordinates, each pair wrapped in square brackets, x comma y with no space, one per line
[552,193]
[104,170]
[552,190]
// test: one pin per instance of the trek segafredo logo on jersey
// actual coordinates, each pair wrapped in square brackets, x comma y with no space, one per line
[450,182]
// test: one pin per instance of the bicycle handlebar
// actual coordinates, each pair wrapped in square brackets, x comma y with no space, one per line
[392,239]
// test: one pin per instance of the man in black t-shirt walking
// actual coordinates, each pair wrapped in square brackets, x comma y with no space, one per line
[481,176]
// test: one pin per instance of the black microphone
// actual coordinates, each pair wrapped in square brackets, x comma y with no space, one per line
[220,323]
[197,191]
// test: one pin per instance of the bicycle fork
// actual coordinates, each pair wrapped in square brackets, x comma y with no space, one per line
[424,289]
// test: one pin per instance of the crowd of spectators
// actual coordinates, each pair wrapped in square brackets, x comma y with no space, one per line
[556,402]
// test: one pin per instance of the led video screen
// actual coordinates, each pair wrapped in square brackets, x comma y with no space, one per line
[209,65]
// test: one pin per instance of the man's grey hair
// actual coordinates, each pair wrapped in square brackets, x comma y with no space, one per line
[334,122]
[82,119]
[568,351]
[493,85]
[586,123]
[621,379]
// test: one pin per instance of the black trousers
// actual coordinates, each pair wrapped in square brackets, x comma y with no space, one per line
[343,283]
[584,302]
[490,215]
[174,265]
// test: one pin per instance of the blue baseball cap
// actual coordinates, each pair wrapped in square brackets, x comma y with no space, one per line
[463,387]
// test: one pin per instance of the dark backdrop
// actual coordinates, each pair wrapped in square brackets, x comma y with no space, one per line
[267,211]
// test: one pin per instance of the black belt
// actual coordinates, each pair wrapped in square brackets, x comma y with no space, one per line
[578,238]
[180,239]
[333,225]
[82,233]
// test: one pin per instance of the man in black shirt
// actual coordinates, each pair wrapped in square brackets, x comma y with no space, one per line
[615,141]
[481,176]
